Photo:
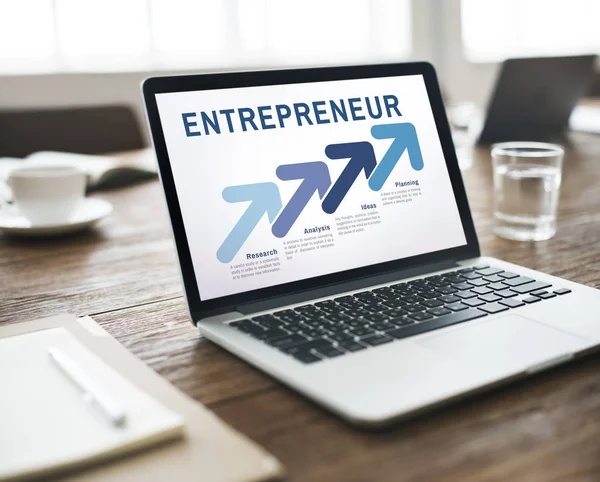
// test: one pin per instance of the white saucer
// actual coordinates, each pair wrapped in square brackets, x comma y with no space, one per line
[91,210]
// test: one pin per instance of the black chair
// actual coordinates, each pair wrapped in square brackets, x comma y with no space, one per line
[594,90]
[85,130]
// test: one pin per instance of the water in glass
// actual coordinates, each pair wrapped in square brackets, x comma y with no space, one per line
[526,192]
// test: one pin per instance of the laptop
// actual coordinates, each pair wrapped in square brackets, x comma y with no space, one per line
[533,98]
[324,236]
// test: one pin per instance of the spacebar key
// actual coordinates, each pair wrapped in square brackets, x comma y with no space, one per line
[441,322]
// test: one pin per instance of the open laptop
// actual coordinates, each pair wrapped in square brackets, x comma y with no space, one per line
[533,98]
[324,236]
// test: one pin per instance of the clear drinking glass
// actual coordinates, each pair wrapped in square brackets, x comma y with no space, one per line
[527,178]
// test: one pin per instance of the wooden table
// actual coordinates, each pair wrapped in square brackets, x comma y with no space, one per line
[124,273]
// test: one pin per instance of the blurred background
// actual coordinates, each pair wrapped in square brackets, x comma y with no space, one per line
[64,53]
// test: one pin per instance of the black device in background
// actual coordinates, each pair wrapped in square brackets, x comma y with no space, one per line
[534,97]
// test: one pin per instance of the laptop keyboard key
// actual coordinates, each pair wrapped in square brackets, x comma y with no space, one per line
[436,323]
[471,275]
[562,291]
[293,318]
[451,298]
[508,275]
[531,299]
[482,290]
[447,290]
[287,341]
[362,331]
[432,303]
[463,286]
[428,295]
[489,271]
[395,313]
[511,303]
[493,308]
[248,327]
[334,317]
[264,318]
[382,326]
[439,311]
[520,280]
[375,317]
[479,282]
[497,286]
[306,357]
[421,316]
[473,302]
[490,298]
[341,337]
[270,334]
[331,352]
[352,346]
[464,295]
[457,306]
[526,288]
[494,278]
[547,295]
[376,340]
[506,293]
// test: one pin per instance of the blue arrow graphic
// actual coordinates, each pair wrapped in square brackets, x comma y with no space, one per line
[264,198]
[361,157]
[316,179]
[405,139]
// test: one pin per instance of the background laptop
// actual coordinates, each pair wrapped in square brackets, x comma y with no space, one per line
[324,236]
[533,98]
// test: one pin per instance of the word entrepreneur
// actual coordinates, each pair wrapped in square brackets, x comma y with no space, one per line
[282,115]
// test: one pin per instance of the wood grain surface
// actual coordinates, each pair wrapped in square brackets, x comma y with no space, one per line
[124,273]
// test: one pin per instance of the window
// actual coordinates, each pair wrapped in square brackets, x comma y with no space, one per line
[115,35]
[494,30]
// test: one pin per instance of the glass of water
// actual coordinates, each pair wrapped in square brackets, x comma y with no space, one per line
[527,178]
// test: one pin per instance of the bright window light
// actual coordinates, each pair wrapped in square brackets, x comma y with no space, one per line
[117,35]
[196,30]
[99,28]
[493,30]
[26,29]
[340,31]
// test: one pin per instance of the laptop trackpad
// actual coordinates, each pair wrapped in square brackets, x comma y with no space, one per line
[504,345]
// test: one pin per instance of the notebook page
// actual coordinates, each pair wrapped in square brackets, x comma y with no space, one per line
[44,422]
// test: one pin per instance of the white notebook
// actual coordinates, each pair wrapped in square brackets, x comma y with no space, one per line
[45,424]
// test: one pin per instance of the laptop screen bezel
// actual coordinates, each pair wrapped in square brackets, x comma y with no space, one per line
[201,309]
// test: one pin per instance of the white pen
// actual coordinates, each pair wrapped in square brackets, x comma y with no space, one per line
[102,403]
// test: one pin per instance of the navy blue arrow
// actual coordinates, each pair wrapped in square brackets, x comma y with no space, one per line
[361,157]
[316,179]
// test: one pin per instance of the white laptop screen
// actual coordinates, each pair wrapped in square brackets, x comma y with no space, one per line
[287,182]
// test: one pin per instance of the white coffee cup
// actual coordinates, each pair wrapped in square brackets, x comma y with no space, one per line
[47,195]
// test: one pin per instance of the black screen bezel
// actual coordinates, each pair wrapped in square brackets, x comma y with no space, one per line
[158,85]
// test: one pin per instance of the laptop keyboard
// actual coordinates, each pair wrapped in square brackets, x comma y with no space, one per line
[347,324]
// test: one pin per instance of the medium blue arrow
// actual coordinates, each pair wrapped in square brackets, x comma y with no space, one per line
[316,179]
[405,139]
[361,157]
[264,198]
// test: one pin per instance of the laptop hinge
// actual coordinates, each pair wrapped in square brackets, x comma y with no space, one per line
[331,290]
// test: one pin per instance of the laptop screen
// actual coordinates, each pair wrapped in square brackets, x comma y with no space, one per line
[288,182]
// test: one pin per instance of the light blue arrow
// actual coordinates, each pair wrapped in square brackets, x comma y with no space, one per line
[404,137]
[264,198]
